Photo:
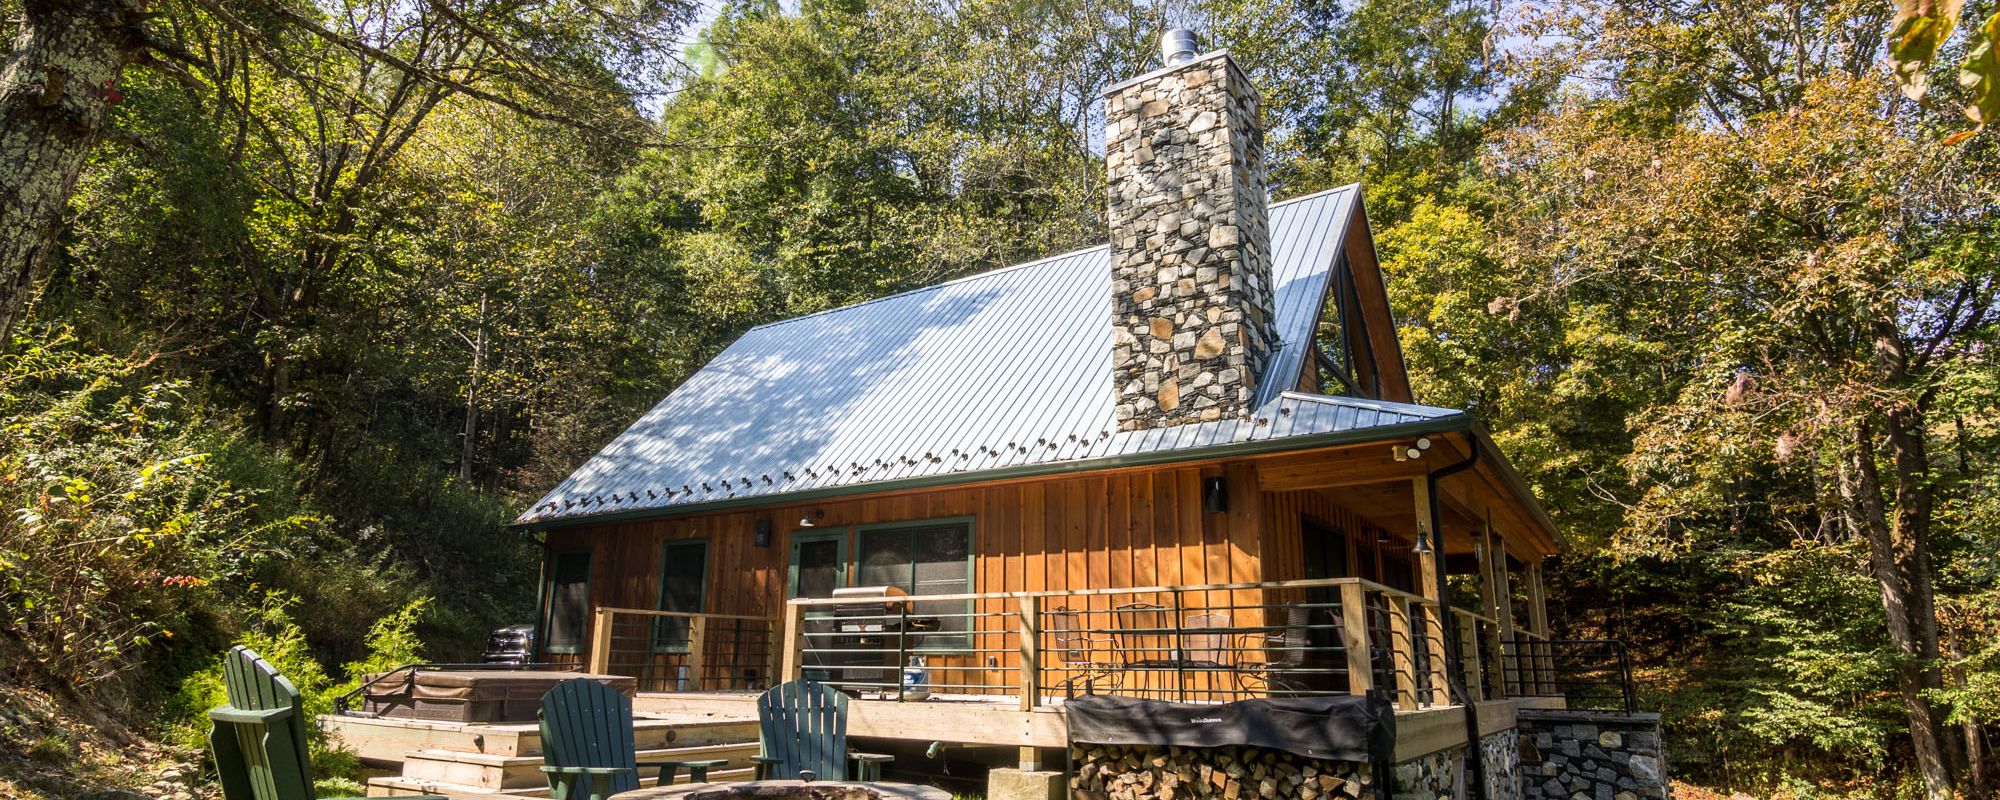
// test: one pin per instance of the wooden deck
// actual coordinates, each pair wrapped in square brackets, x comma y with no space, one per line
[463,760]
[1001,723]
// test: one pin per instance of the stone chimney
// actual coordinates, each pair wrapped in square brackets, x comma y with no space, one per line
[1190,246]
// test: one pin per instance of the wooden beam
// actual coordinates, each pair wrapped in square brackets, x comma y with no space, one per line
[1326,470]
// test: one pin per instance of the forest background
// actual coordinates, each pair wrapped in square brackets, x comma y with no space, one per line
[306,299]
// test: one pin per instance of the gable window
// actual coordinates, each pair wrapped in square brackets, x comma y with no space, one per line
[683,588]
[932,557]
[569,601]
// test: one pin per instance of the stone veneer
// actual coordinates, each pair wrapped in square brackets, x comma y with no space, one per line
[1503,765]
[1582,755]
[1190,245]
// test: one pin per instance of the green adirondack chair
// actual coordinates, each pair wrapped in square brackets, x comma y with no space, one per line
[802,728]
[587,748]
[259,739]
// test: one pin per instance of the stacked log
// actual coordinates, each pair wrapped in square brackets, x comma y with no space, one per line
[1113,772]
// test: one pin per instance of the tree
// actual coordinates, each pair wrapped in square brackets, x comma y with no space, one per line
[575,63]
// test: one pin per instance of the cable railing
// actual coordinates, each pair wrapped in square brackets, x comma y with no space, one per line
[1588,674]
[669,651]
[1207,643]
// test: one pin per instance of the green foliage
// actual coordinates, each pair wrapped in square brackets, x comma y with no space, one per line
[121,526]
[392,642]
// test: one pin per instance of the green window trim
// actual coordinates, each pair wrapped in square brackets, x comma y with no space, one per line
[671,634]
[959,641]
[549,612]
[837,535]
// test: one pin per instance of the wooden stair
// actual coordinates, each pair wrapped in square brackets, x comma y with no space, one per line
[462,760]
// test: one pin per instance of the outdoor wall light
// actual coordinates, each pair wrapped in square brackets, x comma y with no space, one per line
[1214,495]
[811,518]
[763,532]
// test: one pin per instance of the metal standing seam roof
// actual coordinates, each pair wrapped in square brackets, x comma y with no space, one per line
[1004,372]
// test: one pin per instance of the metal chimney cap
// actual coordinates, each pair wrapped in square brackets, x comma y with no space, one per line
[1177,46]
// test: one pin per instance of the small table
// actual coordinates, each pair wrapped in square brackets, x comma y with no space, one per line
[787,790]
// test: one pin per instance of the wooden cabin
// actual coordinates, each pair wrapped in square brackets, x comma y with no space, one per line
[1185,464]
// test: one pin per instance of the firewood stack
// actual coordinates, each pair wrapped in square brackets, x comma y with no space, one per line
[1112,772]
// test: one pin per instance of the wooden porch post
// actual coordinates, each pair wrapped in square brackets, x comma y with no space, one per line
[1538,621]
[1468,645]
[1503,612]
[696,658]
[1030,651]
[793,646]
[1430,566]
[600,642]
[1027,628]
[1354,638]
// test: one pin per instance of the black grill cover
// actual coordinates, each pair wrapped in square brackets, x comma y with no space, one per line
[1336,728]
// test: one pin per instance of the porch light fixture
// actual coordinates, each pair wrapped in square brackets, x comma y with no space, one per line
[811,518]
[1214,495]
[762,537]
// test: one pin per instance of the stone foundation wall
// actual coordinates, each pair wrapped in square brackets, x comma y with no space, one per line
[1574,755]
[1111,772]
[1431,777]
[1502,752]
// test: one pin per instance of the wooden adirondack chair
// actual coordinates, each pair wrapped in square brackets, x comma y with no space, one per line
[802,727]
[259,739]
[587,747]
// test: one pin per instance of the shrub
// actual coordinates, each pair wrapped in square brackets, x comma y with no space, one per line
[117,525]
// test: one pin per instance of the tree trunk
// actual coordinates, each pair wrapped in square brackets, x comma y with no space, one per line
[471,434]
[55,94]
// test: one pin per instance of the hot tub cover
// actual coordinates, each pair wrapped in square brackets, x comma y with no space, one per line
[1361,729]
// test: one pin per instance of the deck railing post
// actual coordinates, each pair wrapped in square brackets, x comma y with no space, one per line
[1469,650]
[696,655]
[792,663]
[1027,610]
[1434,630]
[599,662]
[1353,638]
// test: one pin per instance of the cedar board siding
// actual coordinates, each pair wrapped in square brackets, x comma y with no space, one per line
[1092,531]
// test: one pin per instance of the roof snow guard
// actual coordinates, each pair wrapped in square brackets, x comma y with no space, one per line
[1002,374]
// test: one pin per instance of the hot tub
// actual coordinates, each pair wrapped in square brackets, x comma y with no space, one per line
[496,695]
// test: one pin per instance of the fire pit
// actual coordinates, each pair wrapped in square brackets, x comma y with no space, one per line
[789,790]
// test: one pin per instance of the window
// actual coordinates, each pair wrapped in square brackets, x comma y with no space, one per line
[924,558]
[684,588]
[569,601]
[819,563]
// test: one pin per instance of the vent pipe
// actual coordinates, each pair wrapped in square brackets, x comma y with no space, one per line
[1177,46]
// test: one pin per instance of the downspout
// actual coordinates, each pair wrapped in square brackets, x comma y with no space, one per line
[1475,754]
[541,597]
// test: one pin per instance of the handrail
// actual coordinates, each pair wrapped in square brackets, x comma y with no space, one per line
[1314,583]
[645,612]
